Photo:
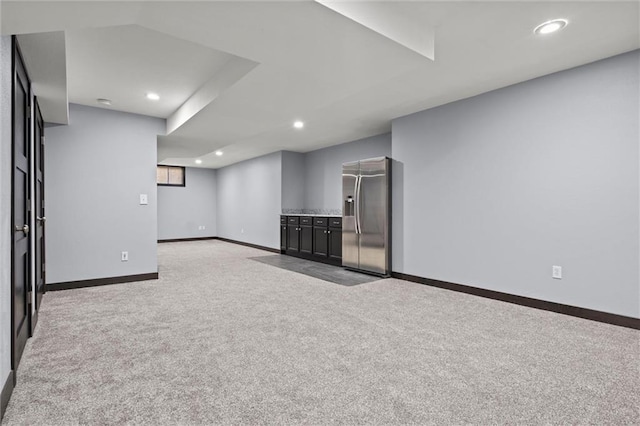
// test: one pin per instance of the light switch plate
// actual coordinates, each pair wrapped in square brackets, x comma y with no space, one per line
[143,199]
[556,272]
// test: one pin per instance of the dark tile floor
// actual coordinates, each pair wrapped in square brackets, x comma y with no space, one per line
[333,274]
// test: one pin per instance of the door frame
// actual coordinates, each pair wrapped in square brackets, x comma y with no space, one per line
[38,208]
[16,55]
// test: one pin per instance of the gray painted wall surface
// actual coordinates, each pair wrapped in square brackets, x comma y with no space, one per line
[492,191]
[97,167]
[182,210]
[5,208]
[293,180]
[249,200]
[323,177]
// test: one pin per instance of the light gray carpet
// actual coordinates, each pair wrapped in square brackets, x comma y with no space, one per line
[322,271]
[222,339]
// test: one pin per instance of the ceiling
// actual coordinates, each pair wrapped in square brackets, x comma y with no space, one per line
[234,75]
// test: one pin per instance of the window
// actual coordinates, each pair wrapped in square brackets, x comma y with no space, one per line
[170,176]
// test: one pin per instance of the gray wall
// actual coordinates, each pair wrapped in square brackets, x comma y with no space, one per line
[5,208]
[323,177]
[183,210]
[249,200]
[293,180]
[96,168]
[492,191]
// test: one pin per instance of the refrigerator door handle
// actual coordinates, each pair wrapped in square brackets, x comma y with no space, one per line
[357,193]
[355,202]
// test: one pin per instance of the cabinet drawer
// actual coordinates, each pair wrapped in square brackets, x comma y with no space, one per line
[293,220]
[320,221]
[283,220]
[335,222]
[305,220]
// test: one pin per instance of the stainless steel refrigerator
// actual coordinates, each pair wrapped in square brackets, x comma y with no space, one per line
[366,215]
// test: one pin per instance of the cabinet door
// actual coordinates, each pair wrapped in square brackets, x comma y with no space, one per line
[320,241]
[306,239]
[283,237]
[335,243]
[293,238]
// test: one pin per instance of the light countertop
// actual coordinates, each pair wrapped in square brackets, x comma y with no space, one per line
[312,215]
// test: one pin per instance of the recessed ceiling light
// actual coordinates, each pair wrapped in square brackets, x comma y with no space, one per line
[103,101]
[198,161]
[219,153]
[153,96]
[551,26]
[298,124]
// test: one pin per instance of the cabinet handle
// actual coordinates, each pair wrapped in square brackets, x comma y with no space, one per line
[328,232]
[325,232]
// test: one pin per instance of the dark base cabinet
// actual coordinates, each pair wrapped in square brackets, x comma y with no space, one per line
[293,238]
[306,235]
[306,239]
[316,238]
[283,234]
[335,244]
[320,242]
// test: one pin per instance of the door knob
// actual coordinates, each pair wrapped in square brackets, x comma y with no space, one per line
[41,219]
[23,228]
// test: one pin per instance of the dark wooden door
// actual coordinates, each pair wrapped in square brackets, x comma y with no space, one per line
[21,296]
[306,239]
[320,242]
[39,210]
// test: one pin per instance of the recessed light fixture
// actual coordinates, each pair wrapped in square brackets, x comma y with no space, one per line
[153,96]
[551,26]
[298,124]
[219,153]
[103,101]
[198,161]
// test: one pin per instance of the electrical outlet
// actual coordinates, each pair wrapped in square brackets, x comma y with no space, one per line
[556,272]
[144,200]
[201,227]
[125,256]
[242,231]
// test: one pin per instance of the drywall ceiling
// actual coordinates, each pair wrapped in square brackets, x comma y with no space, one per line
[124,63]
[301,60]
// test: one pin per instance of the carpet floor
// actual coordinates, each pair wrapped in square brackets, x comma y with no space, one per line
[223,339]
